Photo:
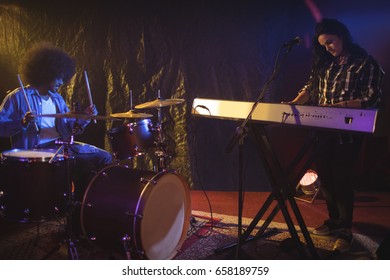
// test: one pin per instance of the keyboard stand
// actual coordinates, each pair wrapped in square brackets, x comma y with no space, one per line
[282,191]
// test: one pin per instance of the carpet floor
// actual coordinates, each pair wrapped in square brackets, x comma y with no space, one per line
[276,243]
[207,238]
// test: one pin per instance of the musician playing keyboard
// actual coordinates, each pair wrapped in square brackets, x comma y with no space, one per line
[342,75]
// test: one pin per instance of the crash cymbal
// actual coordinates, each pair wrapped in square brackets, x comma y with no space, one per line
[78,115]
[131,115]
[159,103]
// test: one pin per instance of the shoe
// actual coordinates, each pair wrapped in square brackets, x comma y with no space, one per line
[343,242]
[327,228]
[322,230]
[342,245]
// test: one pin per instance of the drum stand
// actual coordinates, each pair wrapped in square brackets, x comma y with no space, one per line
[70,201]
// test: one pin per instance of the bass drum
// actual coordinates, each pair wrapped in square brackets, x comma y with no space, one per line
[137,211]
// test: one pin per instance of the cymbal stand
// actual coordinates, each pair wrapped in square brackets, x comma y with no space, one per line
[160,152]
[70,201]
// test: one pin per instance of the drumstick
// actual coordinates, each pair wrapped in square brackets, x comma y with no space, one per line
[89,91]
[131,100]
[25,97]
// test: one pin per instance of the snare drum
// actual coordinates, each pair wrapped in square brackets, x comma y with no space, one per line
[131,139]
[32,188]
[147,211]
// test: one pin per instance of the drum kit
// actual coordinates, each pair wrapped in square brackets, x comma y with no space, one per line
[141,213]
[135,138]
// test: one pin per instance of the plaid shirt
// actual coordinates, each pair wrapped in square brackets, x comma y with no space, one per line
[358,78]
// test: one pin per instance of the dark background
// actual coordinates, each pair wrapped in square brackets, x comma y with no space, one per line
[189,49]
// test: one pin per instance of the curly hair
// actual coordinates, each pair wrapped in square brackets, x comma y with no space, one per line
[45,62]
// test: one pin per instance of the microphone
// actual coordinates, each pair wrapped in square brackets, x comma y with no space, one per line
[296,41]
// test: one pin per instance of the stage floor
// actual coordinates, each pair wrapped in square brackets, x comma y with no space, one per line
[371,211]
[371,221]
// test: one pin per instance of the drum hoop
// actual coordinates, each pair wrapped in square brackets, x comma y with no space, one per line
[10,155]
[138,205]
[154,177]
[142,122]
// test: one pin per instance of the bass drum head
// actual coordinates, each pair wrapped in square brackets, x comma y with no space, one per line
[166,216]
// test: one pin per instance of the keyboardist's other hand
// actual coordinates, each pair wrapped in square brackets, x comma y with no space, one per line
[288,102]
[300,99]
[342,104]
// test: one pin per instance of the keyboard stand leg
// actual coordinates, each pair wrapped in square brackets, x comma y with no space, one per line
[282,193]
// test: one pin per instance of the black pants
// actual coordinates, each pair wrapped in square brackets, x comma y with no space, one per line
[336,166]
[85,161]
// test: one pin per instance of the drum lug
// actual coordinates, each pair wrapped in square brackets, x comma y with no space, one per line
[126,237]
[2,206]
[133,215]
[145,181]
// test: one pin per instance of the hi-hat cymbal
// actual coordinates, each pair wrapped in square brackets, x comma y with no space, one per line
[159,103]
[78,115]
[131,115]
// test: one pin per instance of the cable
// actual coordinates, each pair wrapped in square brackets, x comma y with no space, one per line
[202,187]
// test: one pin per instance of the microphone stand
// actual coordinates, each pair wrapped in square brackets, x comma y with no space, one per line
[239,135]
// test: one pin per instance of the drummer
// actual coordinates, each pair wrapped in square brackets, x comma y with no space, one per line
[45,69]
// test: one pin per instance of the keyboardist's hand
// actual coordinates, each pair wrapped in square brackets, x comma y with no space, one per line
[289,102]
[300,99]
[342,104]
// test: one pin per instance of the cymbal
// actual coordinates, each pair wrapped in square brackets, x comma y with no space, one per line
[78,115]
[159,103]
[131,115]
